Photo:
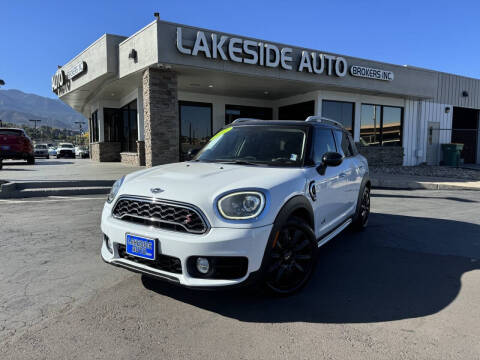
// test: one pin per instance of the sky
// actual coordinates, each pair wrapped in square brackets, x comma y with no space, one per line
[36,36]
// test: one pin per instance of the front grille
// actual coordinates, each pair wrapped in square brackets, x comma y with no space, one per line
[162,262]
[160,214]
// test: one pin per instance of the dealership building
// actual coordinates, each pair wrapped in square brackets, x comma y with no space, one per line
[151,97]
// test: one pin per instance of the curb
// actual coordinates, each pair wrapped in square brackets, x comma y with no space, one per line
[12,190]
[418,185]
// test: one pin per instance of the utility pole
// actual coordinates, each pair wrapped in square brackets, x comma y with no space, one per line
[80,123]
[35,121]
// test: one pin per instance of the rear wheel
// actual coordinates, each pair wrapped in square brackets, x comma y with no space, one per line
[363,210]
[31,160]
[48,157]
[291,258]
[1,163]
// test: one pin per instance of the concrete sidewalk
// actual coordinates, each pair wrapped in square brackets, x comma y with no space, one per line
[408,182]
[85,177]
[56,177]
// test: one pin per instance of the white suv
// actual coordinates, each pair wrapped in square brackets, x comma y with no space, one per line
[254,205]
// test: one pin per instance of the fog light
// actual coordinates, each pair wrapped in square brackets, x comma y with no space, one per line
[108,243]
[203,265]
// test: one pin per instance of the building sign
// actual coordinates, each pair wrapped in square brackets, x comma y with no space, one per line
[77,69]
[263,54]
[61,81]
[370,73]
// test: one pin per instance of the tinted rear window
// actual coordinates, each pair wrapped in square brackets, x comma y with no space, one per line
[11,132]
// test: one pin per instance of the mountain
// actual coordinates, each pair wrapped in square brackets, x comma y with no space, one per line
[18,107]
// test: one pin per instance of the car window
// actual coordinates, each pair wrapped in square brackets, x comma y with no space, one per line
[40,146]
[68,146]
[324,142]
[342,143]
[353,147]
[11,132]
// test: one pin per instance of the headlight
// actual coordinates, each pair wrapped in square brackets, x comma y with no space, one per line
[116,186]
[241,205]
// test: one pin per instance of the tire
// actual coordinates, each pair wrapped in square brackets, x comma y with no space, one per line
[48,157]
[362,213]
[31,160]
[290,258]
[1,164]
[58,156]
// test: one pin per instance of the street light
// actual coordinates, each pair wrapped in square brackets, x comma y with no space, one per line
[80,123]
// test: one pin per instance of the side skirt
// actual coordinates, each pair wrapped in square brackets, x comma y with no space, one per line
[322,241]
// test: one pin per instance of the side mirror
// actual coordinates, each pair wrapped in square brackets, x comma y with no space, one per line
[329,159]
[332,159]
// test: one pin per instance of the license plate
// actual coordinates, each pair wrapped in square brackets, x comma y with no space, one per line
[5,147]
[141,247]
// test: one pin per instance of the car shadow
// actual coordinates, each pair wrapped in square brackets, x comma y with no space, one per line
[403,196]
[400,267]
[50,162]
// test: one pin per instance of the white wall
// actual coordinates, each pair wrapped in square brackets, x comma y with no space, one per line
[430,111]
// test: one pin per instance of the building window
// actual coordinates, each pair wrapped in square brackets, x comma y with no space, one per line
[381,125]
[130,128]
[120,125]
[195,126]
[94,137]
[112,125]
[298,111]
[340,111]
[233,112]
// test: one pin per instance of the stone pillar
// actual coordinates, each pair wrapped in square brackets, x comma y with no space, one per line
[161,124]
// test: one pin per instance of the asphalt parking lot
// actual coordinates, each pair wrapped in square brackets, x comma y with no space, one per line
[407,287]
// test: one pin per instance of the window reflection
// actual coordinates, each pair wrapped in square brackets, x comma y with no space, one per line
[195,126]
[381,125]
[340,111]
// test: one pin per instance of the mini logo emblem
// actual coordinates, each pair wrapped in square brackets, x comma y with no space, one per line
[156,190]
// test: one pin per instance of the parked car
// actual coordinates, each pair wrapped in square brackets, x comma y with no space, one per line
[16,145]
[41,150]
[254,205]
[82,152]
[52,151]
[65,150]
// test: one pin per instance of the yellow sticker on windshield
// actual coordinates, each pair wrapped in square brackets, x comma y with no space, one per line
[220,133]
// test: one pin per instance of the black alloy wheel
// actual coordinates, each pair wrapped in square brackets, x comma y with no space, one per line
[291,258]
[365,207]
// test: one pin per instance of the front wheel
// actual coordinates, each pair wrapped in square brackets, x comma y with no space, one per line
[291,258]
[363,210]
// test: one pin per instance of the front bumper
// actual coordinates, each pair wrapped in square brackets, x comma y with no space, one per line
[221,242]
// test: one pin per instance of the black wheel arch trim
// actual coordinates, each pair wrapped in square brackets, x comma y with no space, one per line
[365,182]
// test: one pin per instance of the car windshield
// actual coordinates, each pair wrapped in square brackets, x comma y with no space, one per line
[40,147]
[256,145]
[68,146]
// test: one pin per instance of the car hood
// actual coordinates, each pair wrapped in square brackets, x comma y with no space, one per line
[201,184]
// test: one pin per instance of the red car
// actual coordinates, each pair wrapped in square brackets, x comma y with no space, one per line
[16,145]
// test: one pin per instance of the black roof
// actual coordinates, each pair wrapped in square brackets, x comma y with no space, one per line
[285,123]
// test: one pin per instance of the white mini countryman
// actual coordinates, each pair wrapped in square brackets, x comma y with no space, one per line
[253,205]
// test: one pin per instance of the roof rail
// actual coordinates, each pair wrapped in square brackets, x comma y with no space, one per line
[239,120]
[323,119]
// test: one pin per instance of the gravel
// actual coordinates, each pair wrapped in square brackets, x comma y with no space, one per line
[427,170]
